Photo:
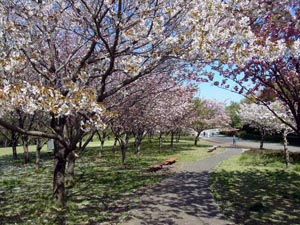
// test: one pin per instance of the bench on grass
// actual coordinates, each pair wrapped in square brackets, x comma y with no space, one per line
[170,161]
[213,148]
[155,167]
[158,166]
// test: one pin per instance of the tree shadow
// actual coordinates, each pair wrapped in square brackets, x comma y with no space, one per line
[258,197]
[103,191]
[184,194]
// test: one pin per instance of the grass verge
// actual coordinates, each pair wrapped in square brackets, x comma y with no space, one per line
[104,190]
[256,188]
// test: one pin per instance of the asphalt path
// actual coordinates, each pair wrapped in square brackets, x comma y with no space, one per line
[227,141]
[185,197]
[182,199]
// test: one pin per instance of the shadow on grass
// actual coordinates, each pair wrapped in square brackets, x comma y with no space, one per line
[258,196]
[103,191]
[7,160]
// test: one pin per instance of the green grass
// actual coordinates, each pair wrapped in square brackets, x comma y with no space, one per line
[7,151]
[256,188]
[104,189]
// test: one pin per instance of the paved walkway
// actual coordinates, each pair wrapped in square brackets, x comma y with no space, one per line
[227,141]
[182,199]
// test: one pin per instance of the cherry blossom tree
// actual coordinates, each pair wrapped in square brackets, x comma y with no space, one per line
[283,111]
[261,118]
[208,114]
[11,136]
[258,117]
[141,108]
[58,56]
[272,71]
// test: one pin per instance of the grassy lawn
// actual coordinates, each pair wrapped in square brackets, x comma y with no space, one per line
[256,188]
[104,190]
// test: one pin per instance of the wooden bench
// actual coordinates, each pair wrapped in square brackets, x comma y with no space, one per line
[170,161]
[213,148]
[155,167]
[159,166]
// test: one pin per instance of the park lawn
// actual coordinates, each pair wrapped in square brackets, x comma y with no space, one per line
[255,187]
[104,190]
[7,151]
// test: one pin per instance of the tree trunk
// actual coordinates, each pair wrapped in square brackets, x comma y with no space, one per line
[178,137]
[60,155]
[127,136]
[59,174]
[160,141]
[114,146]
[138,143]
[138,148]
[71,159]
[262,139]
[14,143]
[70,170]
[123,152]
[172,139]
[285,149]
[150,136]
[80,143]
[196,138]
[102,140]
[39,146]
[25,148]
[14,150]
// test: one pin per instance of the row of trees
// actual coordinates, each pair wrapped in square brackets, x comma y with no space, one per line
[156,104]
[252,114]
[72,62]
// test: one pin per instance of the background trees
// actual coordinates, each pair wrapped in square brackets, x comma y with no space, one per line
[272,70]
[262,119]
[208,114]
[232,111]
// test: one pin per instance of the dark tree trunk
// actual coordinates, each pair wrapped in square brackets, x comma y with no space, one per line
[60,155]
[197,138]
[80,143]
[101,147]
[262,139]
[115,145]
[160,141]
[25,147]
[178,137]
[123,152]
[127,136]
[14,150]
[59,174]
[70,180]
[70,170]
[14,143]
[285,149]
[172,139]
[138,143]
[150,136]
[39,146]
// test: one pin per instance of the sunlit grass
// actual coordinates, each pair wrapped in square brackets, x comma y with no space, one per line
[256,188]
[104,188]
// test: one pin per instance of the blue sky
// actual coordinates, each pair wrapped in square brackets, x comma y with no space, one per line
[207,90]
